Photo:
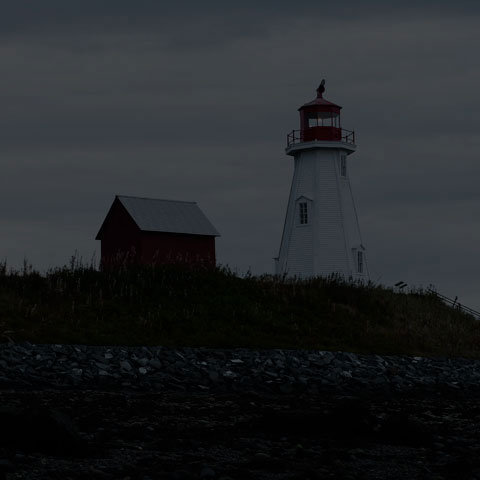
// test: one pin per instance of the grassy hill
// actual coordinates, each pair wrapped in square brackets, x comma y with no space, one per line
[174,306]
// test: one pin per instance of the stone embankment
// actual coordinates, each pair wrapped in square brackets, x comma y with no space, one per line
[190,370]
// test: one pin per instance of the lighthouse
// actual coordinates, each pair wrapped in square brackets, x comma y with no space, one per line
[321,235]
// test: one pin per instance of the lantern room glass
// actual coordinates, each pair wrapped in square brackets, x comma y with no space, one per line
[323,119]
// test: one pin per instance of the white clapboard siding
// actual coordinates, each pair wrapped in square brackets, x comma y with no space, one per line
[329,243]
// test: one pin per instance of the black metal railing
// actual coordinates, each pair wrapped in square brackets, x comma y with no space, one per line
[329,135]
[455,304]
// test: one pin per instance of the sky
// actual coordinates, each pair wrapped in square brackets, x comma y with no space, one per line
[193,101]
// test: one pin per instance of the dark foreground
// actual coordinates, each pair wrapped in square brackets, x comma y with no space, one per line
[109,435]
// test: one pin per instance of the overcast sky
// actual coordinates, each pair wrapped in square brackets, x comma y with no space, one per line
[194,101]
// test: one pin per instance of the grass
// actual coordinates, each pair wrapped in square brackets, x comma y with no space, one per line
[175,306]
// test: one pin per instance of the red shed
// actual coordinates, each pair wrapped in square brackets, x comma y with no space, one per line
[154,231]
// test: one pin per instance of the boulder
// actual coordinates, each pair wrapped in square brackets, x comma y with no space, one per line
[40,429]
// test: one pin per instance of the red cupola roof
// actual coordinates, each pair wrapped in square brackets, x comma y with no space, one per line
[320,103]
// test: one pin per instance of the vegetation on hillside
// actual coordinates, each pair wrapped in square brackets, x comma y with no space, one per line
[175,306]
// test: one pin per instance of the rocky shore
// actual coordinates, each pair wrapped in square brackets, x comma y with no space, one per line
[202,370]
[78,412]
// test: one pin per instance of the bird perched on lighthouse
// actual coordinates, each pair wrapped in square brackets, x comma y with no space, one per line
[321,235]
[321,89]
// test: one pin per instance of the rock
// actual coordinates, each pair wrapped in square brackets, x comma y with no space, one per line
[6,467]
[402,429]
[207,472]
[40,429]
[155,363]
[261,459]
[181,475]
[286,388]
[126,365]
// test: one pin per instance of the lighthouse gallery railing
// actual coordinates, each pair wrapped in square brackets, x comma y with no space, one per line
[297,136]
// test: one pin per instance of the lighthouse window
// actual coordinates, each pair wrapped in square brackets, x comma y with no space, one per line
[303,213]
[360,262]
[319,119]
[323,119]
[343,165]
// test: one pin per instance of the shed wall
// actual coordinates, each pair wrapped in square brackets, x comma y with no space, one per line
[160,247]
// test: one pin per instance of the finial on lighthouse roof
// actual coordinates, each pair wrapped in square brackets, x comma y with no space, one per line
[321,89]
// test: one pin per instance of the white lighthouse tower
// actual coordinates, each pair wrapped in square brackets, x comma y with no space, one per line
[321,235]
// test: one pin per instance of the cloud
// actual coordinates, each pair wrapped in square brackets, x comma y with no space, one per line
[194,102]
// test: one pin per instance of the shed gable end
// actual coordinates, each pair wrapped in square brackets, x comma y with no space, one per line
[117,218]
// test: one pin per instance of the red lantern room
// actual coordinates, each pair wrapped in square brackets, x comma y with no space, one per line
[320,121]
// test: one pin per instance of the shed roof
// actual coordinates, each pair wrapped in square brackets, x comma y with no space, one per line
[173,216]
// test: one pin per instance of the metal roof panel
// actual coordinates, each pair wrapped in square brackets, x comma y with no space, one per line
[157,215]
